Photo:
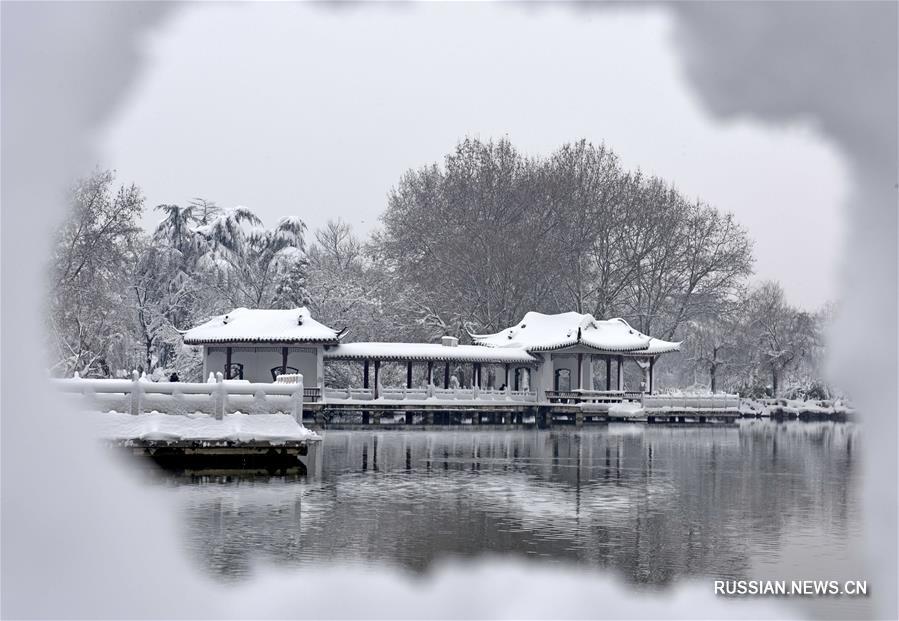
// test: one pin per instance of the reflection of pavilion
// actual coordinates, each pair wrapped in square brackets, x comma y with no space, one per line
[656,505]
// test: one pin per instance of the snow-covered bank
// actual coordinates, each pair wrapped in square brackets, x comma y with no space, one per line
[794,408]
[237,427]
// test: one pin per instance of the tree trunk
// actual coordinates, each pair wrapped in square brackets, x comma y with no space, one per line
[713,372]
[774,381]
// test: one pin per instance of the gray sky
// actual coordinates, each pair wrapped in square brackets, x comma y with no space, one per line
[317,112]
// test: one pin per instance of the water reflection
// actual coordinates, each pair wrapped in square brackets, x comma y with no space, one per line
[652,503]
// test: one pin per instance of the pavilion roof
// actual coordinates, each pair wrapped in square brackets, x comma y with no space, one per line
[434,352]
[256,325]
[539,332]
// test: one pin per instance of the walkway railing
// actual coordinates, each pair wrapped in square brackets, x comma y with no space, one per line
[430,392]
[685,403]
[138,396]
[592,396]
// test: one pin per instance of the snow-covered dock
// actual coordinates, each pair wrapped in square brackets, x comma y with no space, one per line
[221,403]
[218,425]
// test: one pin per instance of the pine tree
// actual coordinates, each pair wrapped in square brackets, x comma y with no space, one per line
[290,291]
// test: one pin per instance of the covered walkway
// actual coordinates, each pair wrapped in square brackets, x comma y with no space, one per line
[516,363]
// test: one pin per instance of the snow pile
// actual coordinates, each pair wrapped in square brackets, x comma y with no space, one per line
[238,427]
[294,325]
[794,406]
[626,409]
[539,332]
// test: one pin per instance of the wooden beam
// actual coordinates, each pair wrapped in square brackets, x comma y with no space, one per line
[580,369]
[283,361]
[652,363]
[430,372]
[620,377]
[409,374]
[446,376]
[227,363]
[377,373]
[608,372]
[506,383]
[365,375]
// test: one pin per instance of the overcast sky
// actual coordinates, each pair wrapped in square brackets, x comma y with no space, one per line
[316,112]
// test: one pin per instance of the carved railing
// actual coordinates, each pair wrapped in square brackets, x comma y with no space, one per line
[138,395]
[395,393]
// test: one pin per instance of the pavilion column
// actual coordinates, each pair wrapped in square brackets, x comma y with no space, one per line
[430,372]
[580,369]
[283,361]
[506,383]
[365,374]
[227,363]
[608,372]
[476,375]
[446,376]
[590,362]
[652,363]
[409,374]
[377,378]
[620,377]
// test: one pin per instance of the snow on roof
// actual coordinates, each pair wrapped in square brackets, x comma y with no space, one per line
[427,351]
[244,325]
[539,332]
[658,346]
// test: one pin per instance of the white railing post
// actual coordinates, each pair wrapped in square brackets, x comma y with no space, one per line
[179,404]
[260,402]
[297,400]
[475,391]
[219,400]
[135,393]
[89,395]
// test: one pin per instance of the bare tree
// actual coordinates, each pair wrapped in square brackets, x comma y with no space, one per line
[782,335]
[93,251]
[715,345]
[493,234]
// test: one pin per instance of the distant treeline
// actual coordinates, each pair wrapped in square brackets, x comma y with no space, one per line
[471,244]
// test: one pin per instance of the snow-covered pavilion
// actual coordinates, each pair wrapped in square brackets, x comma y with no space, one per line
[259,344]
[567,345]
[541,354]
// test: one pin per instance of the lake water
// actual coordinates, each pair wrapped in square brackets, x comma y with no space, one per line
[653,504]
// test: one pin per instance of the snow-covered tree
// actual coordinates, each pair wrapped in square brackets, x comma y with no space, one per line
[88,315]
[249,261]
[715,347]
[493,234]
[290,291]
[781,335]
[162,294]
